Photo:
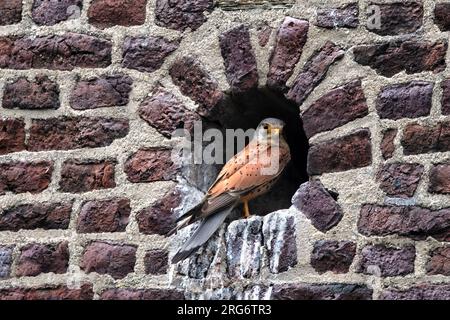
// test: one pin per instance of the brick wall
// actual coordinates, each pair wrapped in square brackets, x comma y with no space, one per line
[90,91]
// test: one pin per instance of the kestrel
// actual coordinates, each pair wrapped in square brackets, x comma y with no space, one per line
[249,174]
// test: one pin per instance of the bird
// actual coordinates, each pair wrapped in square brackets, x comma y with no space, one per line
[244,177]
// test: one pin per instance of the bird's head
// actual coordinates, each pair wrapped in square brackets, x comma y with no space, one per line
[270,128]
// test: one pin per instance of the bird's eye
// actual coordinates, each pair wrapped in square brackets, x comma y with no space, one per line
[266,126]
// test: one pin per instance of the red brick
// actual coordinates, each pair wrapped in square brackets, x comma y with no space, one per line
[146,54]
[313,200]
[149,165]
[334,256]
[418,292]
[390,58]
[398,18]
[37,258]
[21,177]
[336,108]
[36,216]
[41,93]
[195,82]
[82,176]
[442,15]
[400,179]
[384,261]
[332,291]
[66,133]
[10,12]
[116,260]
[264,32]
[45,12]
[111,215]
[414,222]
[406,100]
[182,14]
[54,52]
[419,139]
[445,101]
[101,92]
[290,40]
[166,113]
[48,293]
[314,72]
[349,152]
[156,261]
[108,13]
[12,135]
[159,217]
[239,59]
[387,143]
[342,17]
[142,294]
[439,262]
[440,179]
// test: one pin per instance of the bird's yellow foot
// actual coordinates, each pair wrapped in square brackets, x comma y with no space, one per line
[246,210]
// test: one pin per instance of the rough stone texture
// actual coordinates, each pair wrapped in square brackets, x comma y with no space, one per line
[48,13]
[195,82]
[334,256]
[111,215]
[159,217]
[12,135]
[65,133]
[341,154]
[400,179]
[146,54]
[20,177]
[182,14]
[384,261]
[332,291]
[54,52]
[156,261]
[387,143]
[445,101]
[166,113]
[6,261]
[264,33]
[390,58]
[317,205]
[148,165]
[410,221]
[441,15]
[314,72]
[142,294]
[81,176]
[239,59]
[48,293]
[10,12]
[406,100]
[37,258]
[439,262]
[440,179]
[398,18]
[42,93]
[116,260]
[291,38]
[343,17]
[244,243]
[108,13]
[336,108]
[419,139]
[418,292]
[101,92]
[36,216]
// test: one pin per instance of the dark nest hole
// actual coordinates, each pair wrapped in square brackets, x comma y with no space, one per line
[244,111]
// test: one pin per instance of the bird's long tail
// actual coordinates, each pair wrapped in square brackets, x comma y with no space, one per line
[206,229]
